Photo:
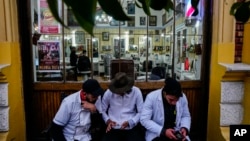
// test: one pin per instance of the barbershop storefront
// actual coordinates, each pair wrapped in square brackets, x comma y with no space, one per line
[176,42]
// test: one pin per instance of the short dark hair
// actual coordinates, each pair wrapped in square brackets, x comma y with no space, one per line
[172,87]
[93,87]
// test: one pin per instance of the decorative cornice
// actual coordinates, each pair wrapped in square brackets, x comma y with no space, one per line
[235,72]
[236,67]
[3,78]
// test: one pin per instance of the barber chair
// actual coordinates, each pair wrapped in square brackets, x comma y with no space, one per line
[85,74]
[145,70]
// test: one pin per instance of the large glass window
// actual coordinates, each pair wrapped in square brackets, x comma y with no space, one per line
[147,47]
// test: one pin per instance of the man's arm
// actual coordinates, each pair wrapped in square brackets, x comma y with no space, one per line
[186,117]
[139,103]
[60,121]
[146,115]
[105,105]
[56,132]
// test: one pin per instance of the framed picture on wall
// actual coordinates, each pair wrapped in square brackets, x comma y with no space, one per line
[105,36]
[79,37]
[142,20]
[131,32]
[131,41]
[157,32]
[131,8]
[152,20]
[163,31]
[157,38]
[151,33]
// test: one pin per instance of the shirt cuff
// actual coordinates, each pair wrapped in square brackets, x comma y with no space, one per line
[131,123]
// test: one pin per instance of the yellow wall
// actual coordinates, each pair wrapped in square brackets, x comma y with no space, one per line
[246,44]
[10,54]
[246,59]
[216,73]
[223,52]
[5,53]
[246,102]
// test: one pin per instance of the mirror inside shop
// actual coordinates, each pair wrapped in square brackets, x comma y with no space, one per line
[148,48]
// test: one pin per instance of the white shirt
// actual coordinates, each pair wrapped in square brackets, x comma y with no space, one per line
[123,108]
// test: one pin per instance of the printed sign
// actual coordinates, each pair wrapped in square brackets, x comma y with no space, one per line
[46,22]
[48,53]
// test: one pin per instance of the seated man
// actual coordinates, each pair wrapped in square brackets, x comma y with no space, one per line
[73,119]
[122,104]
[165,113]
[83,63]
[158,73]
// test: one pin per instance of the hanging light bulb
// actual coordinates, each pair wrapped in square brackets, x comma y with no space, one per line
[102,17]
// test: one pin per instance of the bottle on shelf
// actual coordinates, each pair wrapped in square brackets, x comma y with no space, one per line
[186,64]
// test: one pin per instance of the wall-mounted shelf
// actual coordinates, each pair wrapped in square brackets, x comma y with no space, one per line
[236,66]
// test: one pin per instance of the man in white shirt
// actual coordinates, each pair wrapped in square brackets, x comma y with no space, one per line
[123,104]
[73,119]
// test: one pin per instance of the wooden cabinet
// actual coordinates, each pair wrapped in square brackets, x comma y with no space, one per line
[122,65]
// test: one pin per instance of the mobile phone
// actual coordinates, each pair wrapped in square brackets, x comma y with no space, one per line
[117,126]
[178,135]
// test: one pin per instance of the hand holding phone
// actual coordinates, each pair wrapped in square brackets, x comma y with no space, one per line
[178,135]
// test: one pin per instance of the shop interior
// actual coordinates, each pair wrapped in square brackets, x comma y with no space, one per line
[149,48]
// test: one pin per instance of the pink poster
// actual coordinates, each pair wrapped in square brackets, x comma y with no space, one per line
[46,22]
[48,53]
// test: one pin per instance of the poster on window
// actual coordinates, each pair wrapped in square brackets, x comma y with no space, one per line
[48,55]
[46,22]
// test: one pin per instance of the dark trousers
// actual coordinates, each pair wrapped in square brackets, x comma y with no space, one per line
[161,139]
[123,135]
[164,139]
